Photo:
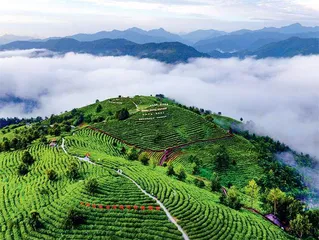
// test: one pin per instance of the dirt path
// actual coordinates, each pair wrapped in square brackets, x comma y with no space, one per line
[120,172]
[170,217]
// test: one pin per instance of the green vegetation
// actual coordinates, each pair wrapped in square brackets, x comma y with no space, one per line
[206,186]
[231,199]
[161,127]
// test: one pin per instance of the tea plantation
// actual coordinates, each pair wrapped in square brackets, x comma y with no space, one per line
[102,172]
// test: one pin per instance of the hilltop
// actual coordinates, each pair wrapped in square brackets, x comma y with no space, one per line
[143,168]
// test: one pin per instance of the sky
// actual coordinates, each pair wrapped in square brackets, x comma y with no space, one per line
[276,94]
[44,18]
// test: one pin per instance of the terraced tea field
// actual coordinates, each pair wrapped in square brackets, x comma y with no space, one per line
[243,157]
[172,126]
[52,199]
[154,126]
[197,210]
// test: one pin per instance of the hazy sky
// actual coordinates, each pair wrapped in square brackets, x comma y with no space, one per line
[43,18]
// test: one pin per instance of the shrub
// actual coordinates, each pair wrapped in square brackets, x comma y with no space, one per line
[132,154]
[222,158]
[215,183]
[51,174]
[34,220]
[170,171]
[23,169]
[181,174]
[122,114]
[143,158]
[73,171]
[232,199]
[91,186]
[27,158]
[73,219]
[199,183]
[99,108]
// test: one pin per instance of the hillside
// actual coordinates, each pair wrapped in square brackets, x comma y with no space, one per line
[101,172]
[247,41]
[170,52]
[288,48]
[283,49]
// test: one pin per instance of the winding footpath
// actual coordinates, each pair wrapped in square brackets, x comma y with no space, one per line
[170,217]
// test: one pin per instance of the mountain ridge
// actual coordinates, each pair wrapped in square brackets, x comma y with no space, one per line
[169,52]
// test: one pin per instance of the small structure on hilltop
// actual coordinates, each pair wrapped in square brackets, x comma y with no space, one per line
[87,156]
[53,143]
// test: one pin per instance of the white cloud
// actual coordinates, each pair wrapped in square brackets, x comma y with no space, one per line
[281,96]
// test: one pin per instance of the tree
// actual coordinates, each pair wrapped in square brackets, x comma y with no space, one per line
[6,145]
[199,183]
[241,119]
[57,131]
[73,171]
[51,174]
[314,220]
[274,196]
[34,220]
[154,163]
[170,170]
[91,185]
[23,169]
[252,190]
[196,169]
[288,207]
[43,140]
[232,199]
[300,226]
[132,154]
[27,158]
[181,174]
[222,158]
[122,114]
[73,219]
[143,158]
[99,108]
[216,185]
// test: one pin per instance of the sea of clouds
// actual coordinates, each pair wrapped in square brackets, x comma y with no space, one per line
[280,95]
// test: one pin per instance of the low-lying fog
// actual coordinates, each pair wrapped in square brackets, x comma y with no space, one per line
[280,95]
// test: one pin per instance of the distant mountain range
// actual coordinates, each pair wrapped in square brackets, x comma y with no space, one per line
[165,46]
[251,40]
[5,39]
[136,35]
[169,52]
[283,49]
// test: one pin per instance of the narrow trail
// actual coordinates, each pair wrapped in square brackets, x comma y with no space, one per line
[120,172]
[170,217]
[135,104]
[81,159]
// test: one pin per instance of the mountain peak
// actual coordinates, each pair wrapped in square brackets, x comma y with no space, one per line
[159,30]
[136,29]
[295,25]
